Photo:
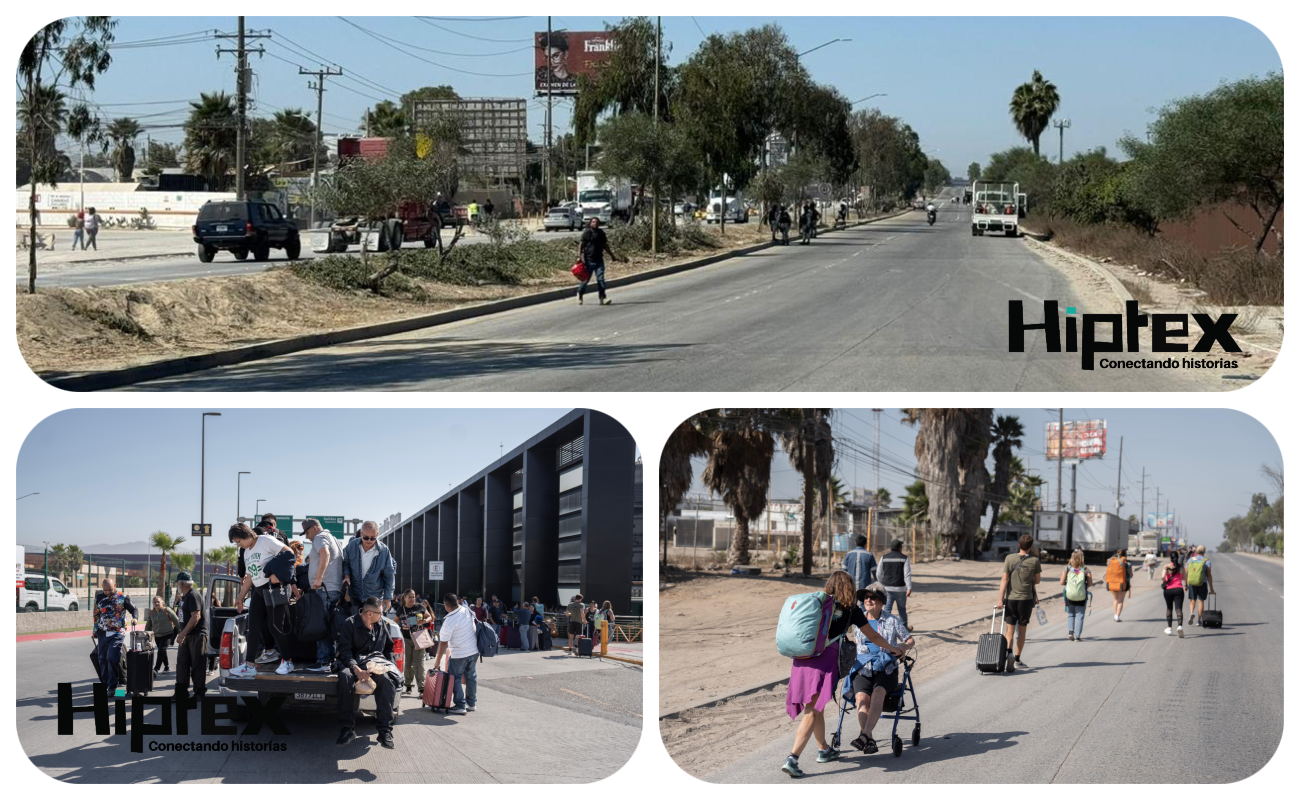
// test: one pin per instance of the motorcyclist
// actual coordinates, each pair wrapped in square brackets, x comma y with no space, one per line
[930,212]
[844,212]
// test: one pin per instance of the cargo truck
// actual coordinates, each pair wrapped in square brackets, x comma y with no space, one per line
[996,208]
[1098,533]
[606,200]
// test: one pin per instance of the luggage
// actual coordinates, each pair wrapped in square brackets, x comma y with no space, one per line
[438,690]
[504,628]
[308,617]
[991,652]
[512,638]
[139,665]
[544,638]
[584,646]
[1212,617]
[804,624]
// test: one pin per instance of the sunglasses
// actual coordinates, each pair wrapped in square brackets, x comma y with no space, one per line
[367,538]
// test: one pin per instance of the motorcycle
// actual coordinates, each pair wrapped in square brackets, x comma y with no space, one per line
[930,216]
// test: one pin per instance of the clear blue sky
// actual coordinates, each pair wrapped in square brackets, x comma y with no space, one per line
[1205,461]
[112,476]
[1111,72]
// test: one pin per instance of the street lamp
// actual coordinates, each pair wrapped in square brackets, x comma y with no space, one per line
[870,97]
[29,494]
[203,452]
[257,509]
[238,479]
[820,46]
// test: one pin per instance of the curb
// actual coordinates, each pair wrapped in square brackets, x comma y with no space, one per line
[1115,284]
[123,258]
[169,368]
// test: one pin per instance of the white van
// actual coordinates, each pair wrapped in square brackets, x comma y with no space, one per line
[32,596]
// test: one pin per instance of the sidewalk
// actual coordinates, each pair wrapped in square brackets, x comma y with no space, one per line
[113,244]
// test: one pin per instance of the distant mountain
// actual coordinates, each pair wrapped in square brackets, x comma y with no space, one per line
[126,548]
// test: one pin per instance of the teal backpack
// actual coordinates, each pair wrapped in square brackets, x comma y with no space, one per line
[804,624]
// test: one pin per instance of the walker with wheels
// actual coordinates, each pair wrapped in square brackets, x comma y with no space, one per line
[895,703]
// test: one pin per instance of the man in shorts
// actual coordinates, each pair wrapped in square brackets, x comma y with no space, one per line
[577,618]
[1020,574]
[1200,584]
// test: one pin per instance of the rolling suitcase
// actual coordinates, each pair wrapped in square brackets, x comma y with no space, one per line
[504,628]
[1212,617]
[438,690]
[584,646]
[512,638]
[139,665]
[991,652]
[543,638]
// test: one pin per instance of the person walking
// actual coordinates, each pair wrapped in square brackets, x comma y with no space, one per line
[577,619]
[458,641]
[325,569]
[107,629]
[191,643]
[861,564]
[410,620]
[592,248]
[1119,580]
[163,623]
[1200,584]
[1173,582]
[1151,562]
[878,676]
[1077,580]
[92,229]
[813,680]
[535,628]
[896,576]
[1021,574]
[488,208]
[79,231]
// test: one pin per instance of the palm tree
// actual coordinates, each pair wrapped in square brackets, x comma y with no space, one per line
[122,132]
[1032,107]
[916,506]
[44,115]
[951,447]
[1007,436]
[184,562]
[883,497]
[1021,503]
[226,554]
[210,134]
[739,470]
[808,445]
[386,118]
[166,545]
[293,137]
[675,470]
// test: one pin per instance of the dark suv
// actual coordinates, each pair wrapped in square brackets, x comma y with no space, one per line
[243,227]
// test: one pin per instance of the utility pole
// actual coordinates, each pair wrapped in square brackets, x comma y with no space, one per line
[1074,482]
[875,475]
[654,209]
[1142,509]
[241,87]
[1119,479]
[319,87]
[1060,457]
[1061,125]
[550,77]
[1157,507]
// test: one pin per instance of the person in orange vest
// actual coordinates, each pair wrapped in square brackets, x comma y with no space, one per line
[1119,580]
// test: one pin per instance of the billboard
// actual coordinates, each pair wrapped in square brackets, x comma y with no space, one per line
[1080,440]
[1157,519]
[560,57]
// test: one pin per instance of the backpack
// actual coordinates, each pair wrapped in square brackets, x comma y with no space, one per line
[308,616]
[488,641]
[1196,573]
[804,624]
[1076,586]
[1115,574]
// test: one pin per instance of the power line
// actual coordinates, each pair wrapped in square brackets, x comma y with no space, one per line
[427,21]
[389,44]
[307,53]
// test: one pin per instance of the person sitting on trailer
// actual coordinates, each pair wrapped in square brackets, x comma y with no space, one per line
[359,636]
[879,675]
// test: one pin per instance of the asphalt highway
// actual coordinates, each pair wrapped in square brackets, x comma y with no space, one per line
[1127,704]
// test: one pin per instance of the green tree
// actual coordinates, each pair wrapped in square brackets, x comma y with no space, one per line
[890,161]
[1006,436]
[951,447]
[226,555]
[210,138]
[625,84]
[161,155]
[676,472]
[739,470]
[808,445]
[65,560]
[1222,147]
[426,94]
[166,545]
[184,562]
[973,171]
[1034,173]
[636,149]
[936,175]
[916,505]
[122,132]
[1032,107]
[68,53]
[385,118]
[883,497]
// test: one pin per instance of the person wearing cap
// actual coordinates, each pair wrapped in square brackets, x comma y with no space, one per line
[191,642]
[878,672]
[895,576]
[325,571]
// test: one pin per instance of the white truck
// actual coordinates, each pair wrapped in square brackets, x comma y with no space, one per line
[996,208]
[1099,533]
[32,595]
[606,200]
[735,209]
[228,629]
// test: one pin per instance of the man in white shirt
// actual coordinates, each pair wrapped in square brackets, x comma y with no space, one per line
[458,640]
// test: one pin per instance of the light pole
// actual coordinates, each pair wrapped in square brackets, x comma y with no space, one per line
[257,508]
[203,452]
[820,46]
[29,494]
[870,97]
[238,480]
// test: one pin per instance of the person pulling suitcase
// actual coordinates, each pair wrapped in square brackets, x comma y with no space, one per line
[108,631]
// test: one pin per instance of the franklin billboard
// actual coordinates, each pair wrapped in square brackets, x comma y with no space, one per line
[561,56]
[1080,440]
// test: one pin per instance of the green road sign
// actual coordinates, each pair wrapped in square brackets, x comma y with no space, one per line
[284,524]
[332,524]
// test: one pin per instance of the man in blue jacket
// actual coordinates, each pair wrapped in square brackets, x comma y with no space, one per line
[368,567]
[861,564]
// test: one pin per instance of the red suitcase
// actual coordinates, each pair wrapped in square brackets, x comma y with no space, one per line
[503,635]
[438,686]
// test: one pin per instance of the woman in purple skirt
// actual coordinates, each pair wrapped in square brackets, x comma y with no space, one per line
[812,680]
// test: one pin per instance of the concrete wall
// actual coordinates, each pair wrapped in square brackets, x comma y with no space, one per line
[52,621]
[170,210]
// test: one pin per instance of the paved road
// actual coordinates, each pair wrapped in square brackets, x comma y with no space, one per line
[895,305]
[177,267]
[560,704]
[1125,705]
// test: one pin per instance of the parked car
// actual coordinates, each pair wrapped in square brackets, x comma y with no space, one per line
[32,596]
[564,216]
[243,227]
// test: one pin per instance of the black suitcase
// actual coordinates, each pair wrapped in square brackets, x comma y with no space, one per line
[543,638]
[991,653]
[512,638]
[584,646]
[139,665]
[1212,617]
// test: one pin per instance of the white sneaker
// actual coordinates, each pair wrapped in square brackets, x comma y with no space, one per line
[1116,616]
[269,657]
[1180,631]
[244,670]
[1169,631]
[285,668]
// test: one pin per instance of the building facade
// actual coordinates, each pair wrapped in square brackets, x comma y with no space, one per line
[549,519]
[494,137]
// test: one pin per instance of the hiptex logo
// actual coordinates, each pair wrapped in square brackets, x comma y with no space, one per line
[1164,327]
[258,714]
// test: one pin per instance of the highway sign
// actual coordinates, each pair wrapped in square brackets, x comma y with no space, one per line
[284,524]
[201,529]
[332,524]
[435,571]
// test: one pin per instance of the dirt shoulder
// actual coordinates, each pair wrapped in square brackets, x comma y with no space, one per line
[62,330]
[717,636]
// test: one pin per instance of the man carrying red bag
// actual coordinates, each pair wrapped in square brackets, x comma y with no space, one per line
[591,251]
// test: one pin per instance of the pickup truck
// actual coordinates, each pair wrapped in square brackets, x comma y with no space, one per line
[227,634]
[996,209]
